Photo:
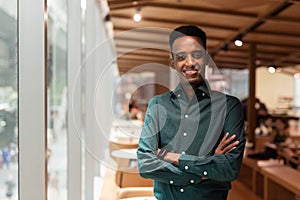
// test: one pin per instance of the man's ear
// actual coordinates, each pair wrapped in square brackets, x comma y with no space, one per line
[171,61]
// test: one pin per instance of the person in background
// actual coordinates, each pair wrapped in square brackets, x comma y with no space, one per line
[6,157]
[261,110]
[279,134]
[10,184]
[281,131]
[192,142]
[133,113]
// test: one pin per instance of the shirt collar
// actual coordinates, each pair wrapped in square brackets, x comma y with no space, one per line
[178,91]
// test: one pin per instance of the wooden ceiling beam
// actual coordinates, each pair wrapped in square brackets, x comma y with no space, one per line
[260,20]
[173,21]
[190,8]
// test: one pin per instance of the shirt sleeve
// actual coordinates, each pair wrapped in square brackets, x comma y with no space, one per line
[149,165]
[221,167]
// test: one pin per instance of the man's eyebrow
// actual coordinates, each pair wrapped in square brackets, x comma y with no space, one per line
[180,52]
[187,51]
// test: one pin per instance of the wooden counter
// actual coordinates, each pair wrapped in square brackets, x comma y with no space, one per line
[281,182]
[250,173]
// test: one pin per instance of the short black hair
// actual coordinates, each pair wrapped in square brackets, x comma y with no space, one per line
[187,30]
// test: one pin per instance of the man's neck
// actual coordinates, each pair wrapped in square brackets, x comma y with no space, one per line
[189,88]
[189,91]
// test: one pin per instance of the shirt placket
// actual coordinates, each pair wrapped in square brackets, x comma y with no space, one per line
[187,132]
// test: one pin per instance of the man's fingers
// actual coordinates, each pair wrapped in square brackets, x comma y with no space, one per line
[226,141]
[226,144]
[223,142]
[157,152]
[230,147]
[224,138]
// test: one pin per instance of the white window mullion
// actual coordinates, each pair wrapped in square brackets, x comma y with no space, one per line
[32,100]
[74,100]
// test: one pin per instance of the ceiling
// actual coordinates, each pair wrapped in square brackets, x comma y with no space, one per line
[269,28]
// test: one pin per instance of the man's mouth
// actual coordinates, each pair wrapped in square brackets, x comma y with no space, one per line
[190,72]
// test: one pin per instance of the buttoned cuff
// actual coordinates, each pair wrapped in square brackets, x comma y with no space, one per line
[187,163]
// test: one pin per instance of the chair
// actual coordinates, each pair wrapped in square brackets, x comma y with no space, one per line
[131,184]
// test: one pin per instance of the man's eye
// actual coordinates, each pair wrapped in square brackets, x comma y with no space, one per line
[180,57]
[197,54]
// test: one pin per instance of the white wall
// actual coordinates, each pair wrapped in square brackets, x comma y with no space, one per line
[269,87]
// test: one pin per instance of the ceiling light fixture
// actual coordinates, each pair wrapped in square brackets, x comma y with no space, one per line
[137,16]
[238,42]
[297,76]
[272,69]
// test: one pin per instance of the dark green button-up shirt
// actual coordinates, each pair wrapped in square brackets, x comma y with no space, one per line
[194,129]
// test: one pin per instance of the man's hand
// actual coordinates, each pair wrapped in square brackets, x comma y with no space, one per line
[170,157]
[225,145]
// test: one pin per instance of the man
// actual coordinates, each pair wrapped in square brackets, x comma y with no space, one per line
[192,140]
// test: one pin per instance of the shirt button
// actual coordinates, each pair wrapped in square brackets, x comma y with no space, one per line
[203,94]
[183,152]
[205,173]
[186,116]
[186,167]
[178,95]
[184,134]
[192,181]
[181,190]
[171,182]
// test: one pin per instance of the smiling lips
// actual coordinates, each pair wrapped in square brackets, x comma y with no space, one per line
[190,72]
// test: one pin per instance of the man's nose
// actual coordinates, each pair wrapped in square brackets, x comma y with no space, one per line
[190,61]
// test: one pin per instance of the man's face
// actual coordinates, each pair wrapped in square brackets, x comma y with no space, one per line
[188,58]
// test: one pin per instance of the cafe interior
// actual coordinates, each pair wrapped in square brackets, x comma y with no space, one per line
[77,76]
[255,48]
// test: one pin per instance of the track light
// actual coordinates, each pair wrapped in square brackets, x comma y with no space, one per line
[238,42]
[272,69]
[137,16]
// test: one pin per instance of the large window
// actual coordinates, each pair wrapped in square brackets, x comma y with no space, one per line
[57,99]
[8,100]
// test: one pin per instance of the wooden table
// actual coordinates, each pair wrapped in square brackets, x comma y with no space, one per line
[125,157]
[281,183]
[250,173]
[125,153]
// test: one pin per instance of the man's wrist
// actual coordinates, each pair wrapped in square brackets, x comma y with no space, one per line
[162,153]
[172,158]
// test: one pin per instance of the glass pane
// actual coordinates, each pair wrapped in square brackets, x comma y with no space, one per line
[8,100]
[57,99]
